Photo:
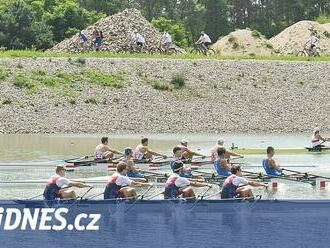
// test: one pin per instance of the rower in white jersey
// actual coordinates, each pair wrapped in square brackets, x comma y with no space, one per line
[186,153]
[317,140]
[220,144]
[142,151]
[58,186]
[103,151]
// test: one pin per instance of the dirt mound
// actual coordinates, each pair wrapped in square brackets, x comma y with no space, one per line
[243,42]
[294,38]
[326,26]
[116,31]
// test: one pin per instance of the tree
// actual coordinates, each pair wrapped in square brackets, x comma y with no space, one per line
[216,18]
[176,29]
[20,30]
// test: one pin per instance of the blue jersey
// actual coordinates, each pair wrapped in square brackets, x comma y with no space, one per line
[133,174]
[220,170]
[269,170]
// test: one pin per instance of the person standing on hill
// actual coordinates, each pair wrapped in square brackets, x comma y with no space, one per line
[82,40]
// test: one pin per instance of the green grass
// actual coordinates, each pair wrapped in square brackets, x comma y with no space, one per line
[160,85]
[104,79]
[23,82]
[39,54]
[3,74]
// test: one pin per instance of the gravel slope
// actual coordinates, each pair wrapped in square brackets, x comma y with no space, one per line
[219,96]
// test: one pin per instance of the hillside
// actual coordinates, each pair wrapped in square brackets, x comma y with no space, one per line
[54,95]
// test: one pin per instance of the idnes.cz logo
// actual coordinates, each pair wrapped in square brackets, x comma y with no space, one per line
[45,219]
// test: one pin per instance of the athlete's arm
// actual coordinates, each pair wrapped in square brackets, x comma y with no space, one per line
[274,165]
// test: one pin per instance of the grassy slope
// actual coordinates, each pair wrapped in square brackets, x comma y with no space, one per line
[38,54]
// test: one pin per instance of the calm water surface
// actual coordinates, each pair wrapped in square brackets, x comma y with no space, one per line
[27,148]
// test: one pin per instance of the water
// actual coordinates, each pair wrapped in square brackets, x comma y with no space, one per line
[26,148]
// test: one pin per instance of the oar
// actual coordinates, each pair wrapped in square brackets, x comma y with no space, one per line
[87,191]
[139,198]
[306,173]
[71,160]
[34,197]
[154,196]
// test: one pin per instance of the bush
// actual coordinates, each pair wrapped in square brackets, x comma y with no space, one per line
[23,82]
[176,29]
[159,85]
[81,61]
[7,101]
[178,80]
[91,100]
[3,74]
[256,34]
[326,34]
[104,79]
[322,19]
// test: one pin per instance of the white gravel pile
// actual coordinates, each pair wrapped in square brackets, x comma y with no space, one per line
[294,38]
[243,42]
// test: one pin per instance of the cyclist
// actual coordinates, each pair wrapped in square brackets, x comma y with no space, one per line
[138,39]
[166,41]
[205,41]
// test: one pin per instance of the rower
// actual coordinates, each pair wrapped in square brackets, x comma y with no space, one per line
[177,155]
[270,166]
[187,154]
[103,151]
[57,187]
[142,152]
[235,186]
[132,170]
[220,164]
[220,144]
[318,140]
[177,185]
[118,183]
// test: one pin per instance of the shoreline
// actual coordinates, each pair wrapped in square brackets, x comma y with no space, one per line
[125,96]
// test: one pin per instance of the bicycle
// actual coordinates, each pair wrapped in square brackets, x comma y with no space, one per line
[309,52]
[171,50]
[199,49]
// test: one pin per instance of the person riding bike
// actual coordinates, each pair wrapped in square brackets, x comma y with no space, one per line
[313,42]
[204,41]
[138,39]
[166,41]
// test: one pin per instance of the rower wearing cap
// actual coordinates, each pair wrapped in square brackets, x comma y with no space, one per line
[235,186]
[177,185]
[142,151]
[187,154]
[220,164]
[177,155]
[317,139]
[132,170]
[220,144]
[270,166]
[118,183]
[57,187]
[103,151]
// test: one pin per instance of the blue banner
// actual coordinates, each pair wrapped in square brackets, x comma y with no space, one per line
[156,223]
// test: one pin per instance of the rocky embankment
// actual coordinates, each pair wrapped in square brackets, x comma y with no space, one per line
[123,96]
